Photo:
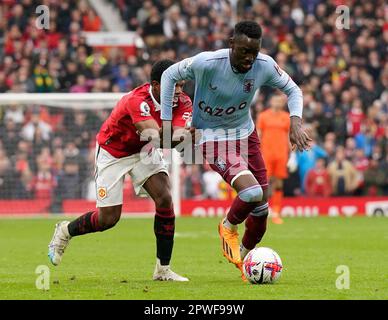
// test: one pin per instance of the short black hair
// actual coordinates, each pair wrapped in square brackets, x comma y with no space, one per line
[159,67]
[249,28]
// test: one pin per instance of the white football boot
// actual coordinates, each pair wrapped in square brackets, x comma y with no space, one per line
[59,242]
[164,273]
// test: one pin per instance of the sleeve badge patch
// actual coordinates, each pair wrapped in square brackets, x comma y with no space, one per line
[145,109]
[101,191]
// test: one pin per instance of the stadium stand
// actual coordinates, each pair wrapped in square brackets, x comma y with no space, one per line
[343,74]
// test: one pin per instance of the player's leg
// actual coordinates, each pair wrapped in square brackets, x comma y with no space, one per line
[109,185]
[97,220]
[150,178]
[101,219]
[159,188]
[250,196]
[250,193]
[255,228]
[256,222]
[227,159]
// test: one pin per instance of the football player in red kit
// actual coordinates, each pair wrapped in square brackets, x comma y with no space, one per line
[120,150]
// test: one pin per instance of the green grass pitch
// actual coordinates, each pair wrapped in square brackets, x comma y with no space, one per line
[118,263]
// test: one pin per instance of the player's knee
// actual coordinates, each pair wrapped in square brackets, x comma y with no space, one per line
[251,194]
[164,200]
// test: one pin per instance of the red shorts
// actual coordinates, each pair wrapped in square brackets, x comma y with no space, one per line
[229,158]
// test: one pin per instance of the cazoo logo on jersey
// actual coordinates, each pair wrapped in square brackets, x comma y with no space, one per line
[219,112]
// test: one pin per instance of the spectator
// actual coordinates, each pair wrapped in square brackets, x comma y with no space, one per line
[211,180]
[365,140]
[306,160]
[91,21]
[22,171]
[124,80]
[80,85]
[374,179]
[28,131]
[341,72]
[10,136]
[43,182]
[6,179]
[350,148]
[361,164]
[343,174]
[153,29]
[193,184]
[173,22]
[68,184]
[318,182]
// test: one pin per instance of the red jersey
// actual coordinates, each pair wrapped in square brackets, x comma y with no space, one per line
[318,183]
[118,135]
[355,121]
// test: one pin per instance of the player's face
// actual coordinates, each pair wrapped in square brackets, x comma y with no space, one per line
[179,88]
[156,89]
[244,52]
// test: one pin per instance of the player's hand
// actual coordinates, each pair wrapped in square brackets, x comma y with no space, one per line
[299,139]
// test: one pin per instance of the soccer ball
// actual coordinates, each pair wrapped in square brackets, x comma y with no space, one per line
[262,265]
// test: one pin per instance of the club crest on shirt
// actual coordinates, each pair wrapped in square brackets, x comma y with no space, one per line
[220,164]
[145,109]
[101,192]
[248,85]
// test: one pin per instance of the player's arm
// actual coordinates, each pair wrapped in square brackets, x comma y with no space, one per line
[183,70]
[179,71]
[148,130]
[278,78]
[181,122]
[146,126]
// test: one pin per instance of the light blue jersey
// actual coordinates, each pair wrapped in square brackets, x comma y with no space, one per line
[223,97]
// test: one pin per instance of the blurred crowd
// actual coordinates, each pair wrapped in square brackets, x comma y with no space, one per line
[343,73]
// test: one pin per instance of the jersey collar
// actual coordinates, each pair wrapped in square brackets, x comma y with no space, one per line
[156,103]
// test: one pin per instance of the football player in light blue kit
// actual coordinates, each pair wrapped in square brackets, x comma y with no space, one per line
[225,83]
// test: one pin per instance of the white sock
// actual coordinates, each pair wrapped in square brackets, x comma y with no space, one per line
[160,267]
[230,226]
[243,251]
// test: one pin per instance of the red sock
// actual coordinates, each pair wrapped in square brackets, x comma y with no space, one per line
[164,228]
[94,221]
[86,223]
[255,228]
[240,210]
